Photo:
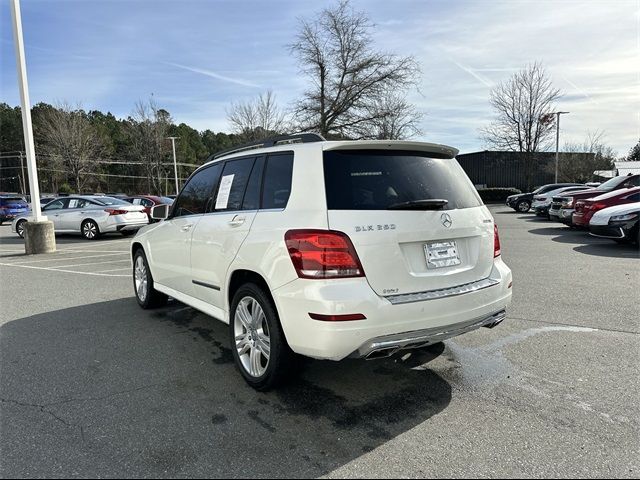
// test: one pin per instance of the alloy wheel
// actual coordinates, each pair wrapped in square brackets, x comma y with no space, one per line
[20,229]
[523,206]
[251,332]
[90,230]
[140,278]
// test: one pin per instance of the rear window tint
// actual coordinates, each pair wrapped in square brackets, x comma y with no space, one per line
[375,180]
[13,201]
[277,181]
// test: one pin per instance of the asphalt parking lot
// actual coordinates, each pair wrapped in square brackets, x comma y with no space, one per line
[93,386]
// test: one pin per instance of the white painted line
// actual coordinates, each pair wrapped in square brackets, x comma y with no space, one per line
[91,263]
[116,269]
[67,258]
[64,271]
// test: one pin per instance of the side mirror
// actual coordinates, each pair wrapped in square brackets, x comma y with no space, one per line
[160,212]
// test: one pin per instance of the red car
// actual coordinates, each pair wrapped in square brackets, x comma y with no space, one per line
[585,208]
[148,202]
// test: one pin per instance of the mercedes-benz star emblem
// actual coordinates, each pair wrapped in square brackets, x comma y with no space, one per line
[446,220]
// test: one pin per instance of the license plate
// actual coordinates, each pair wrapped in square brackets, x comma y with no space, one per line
[442,254]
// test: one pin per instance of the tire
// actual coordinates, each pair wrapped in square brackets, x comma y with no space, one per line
[257,332]
[90,230]
[147,296]
[523,206]
[20,228]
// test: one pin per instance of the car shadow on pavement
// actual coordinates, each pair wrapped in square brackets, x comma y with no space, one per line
[111,390]
[589,244]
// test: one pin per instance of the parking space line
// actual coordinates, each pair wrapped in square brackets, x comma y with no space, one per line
[74,258]
[115,269]
[64,271]
[91,263]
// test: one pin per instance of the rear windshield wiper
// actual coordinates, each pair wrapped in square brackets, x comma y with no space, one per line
[430,204]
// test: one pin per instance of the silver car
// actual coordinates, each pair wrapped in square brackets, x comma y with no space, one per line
[90,216]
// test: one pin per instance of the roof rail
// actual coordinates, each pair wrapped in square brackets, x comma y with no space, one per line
[272,142]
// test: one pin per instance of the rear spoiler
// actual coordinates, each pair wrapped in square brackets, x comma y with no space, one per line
[434,149]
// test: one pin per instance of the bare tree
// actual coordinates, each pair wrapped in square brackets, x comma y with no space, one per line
[71,141]
[147,130]
[523,106]
[257,118]
[349,78]
[578,161]
[392,118]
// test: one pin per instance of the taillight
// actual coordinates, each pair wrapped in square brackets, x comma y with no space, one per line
[496,242]
[115,211]
[323,254]
[598,206]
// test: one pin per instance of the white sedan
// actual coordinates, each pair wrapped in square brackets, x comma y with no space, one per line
[619,223]
[90,216]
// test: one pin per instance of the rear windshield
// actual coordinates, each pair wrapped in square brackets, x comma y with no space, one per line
[376,180]
[110,201]
[13,201]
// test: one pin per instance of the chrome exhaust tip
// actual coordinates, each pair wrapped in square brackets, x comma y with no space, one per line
[382,353]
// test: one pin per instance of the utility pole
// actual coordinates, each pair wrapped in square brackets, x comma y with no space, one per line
[558,139]
[175,164]
[39,233]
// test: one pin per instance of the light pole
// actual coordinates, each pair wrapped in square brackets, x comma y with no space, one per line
[39,233]
[175,164]
[558,139]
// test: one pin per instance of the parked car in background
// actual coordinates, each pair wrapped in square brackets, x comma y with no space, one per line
[148,202]
[585,208]
[327,249]
[566,203]
[12,206]
[619,223]
[542,202]
[90,216]
[522,202]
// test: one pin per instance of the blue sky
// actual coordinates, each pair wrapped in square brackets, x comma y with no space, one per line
[197,56]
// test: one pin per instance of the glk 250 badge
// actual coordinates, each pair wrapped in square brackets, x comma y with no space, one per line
[375,228]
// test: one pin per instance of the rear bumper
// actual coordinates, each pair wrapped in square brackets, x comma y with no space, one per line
[114,224]
[406,325]
[385,346]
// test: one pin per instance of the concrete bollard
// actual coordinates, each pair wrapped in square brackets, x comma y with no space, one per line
[39,237]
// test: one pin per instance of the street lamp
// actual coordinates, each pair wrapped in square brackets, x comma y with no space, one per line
[557,114]
[39,232]
[175,164]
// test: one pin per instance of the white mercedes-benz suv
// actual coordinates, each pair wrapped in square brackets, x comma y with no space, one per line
[327,249]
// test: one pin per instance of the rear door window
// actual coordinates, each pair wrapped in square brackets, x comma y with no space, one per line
[377,180]
[233,184]
[277,181]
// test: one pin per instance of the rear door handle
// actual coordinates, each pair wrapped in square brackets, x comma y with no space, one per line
[237,221]
[187,227]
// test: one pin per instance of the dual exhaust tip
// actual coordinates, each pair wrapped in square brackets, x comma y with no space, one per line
[387,352]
